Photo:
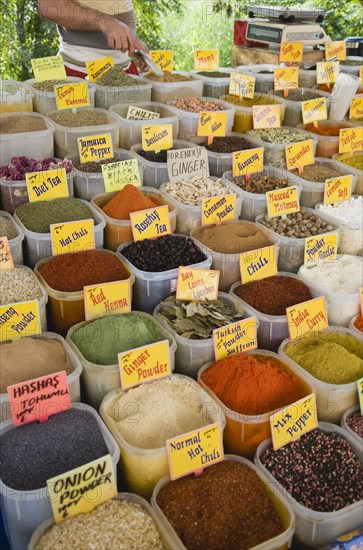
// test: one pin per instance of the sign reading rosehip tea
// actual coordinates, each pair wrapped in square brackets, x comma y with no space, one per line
[314,110]
[163,59]
[299,154]
[286,77]
[192,161]
[327,73]
[206,60]
[194,451]
[212,123]
[136,113]
[336,49]
[6,259]
[322,248]
[356,108]
[144,364]
[79,491]
[242,85]
[94,148]
[235,338]
[48,68]
[360,394]
[219,209]
[338,189]
[307,316]
[72,236]
[118,174]
[350,140]
[150,223]
[47,185]
[71,96]
[197,284]
[249,161]
[157,137]
[291,52]
[39,398]
[266,116]
[258,264]
[292,422]
[282,201]
[97,68]
[20,319]
[107,299]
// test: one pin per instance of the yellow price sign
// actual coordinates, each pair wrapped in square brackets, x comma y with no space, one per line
[361,74]
[197,284]
[194,451]
[258,264]
[150,223]
[219,209]
[48,68]
[97,68]
[144,364]
[71,96]
[291,52]
[282,201]
[157,137]
[235,338]
[47,185]
[246,162]
[285,78]
[323,248]
[136,113]
[107,299]
[118,174]
[94,148]
[80,490]
[360,394]
[292,422]
[20,319]
[338,189]
[356,108]
[242,85]
[299,154]
[350,140]
[266,116]
[163,59]
[361,299]
[314,110]
[336,49]
[71,237]
[6,259]
[307,316]
[212,124]
[206,60]
[327,73]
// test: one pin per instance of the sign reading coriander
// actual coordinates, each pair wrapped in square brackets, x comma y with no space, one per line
[299,154]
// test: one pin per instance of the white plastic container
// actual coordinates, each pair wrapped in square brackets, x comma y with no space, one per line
[23,511]
[243,117]
[315,529]
[14,97]
[98,380]
[352,326]
[293,115]
[281,542]
[163,91]
[131,130]
[355,171]
[65,137]
[73,378]
[351,69]
[190,216]
[188,122]
[255,203]
[327,145]
[36,145]
[264,82]
[44,102]
[349,430]
[142,468]
[106,96]
[151,288]
[38,245]
[88,184]
[212,86]
[307,78]
[16,244]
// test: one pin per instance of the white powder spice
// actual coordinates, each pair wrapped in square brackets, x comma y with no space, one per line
[349,211]
[344,275]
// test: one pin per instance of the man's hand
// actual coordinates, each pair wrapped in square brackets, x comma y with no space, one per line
[119,36]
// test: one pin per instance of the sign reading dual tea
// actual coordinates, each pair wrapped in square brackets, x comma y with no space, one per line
[247,162]
[299,154]
[206,60]
[150,223]
[163,59]
[107,299]
[47,185]
[285,78]
[80,490]
[97,68]
[212,124]
[48,68]
[307,316]
[338,189]
[281,202]
[197,284]
[266,116]
[118,174]
[336,49]
[258,264]
[144,364]
[322,248]
[351,140]
[71,96]
[235,338]
[71,237]
[291,52]
[314,110]
[94,148]
[218,209]
[186,162]
[6,259]
[327,73]
[293,421]
[242,85]
[20,319]
[157,137]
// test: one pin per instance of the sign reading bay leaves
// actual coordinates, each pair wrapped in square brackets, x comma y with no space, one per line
[197,284]
[314,110]
[291,52]
[282,201]
[206,60]
[307,316]
[93,148]
[293,421]
[186,162]
[219,209]
[150,223]
[249,161]
[212,124]
[107,299]
[20,319]
[48,68]
[157,137]
[242,85]
[327,73]
[80,490]
[6,259]
[136,113]
[338,189]
[71,237]
[144,364]
[299,154]
[235,338]
[286,77]
[356,108]
[336,49]
[351,140]
[70,96]
[266,116]
[258,264]
[322,248]
[118,174]
[97,68]
[47,185]
[193,451]
[163,59]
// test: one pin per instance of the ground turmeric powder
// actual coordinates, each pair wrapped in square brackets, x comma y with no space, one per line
[129,199]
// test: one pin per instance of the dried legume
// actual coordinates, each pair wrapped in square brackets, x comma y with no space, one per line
[355,423]
[260,184]
[168,77]
[7,228]
[94,166]
[318,173]
[297,225]
[116,76]
[228,144]
[18,285]
[38,216]
[85,117]
[195,104]
[22,123]
[231,238]
[48,85]
[192,190]
[278,135]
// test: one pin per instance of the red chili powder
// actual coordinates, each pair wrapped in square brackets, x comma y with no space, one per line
[359,323]
[129,199]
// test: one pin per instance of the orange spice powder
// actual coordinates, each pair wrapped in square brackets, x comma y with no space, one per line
[129,199]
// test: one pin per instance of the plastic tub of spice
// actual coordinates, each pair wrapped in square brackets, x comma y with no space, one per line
[44,94]
[34,356]
[225,520]
[249,387]
[327,134]
[188,110]
[97,344]
[40,215]
[68,127]
[130,199]
[290,234]
[65,275]
[351,65]
[155,164]
[304,475]
[356,324]
[135,92]
[88,179]
[44,450]
[188,86]
[307,77]
[155,264]
[352,422]
[264,75]
[215,83]
[296,96]
[28,134]
[271,297]
[131,129]
[10,229]
[226,242]
[355,164]
[14,97]
[164,409]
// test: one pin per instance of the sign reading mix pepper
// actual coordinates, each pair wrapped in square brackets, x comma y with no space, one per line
[293,421]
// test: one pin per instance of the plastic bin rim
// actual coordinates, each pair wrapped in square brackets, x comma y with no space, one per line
[345,426]
[177,83]
[144,105]
[332,218]
[98,175]
[44,297]
[113,122]
[336,156]
[27,135]
[51,94]
[280,145]
[266,168]
[272,101]
[19,233]
[320,93]
[139,83]
[218,155]
[227,107]
[185,145]
[341,123]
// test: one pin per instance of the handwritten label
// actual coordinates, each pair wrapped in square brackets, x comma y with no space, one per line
[47,185]
[360,394]
[356,108]
[212,124]
[206,60]
[39,398]
[71,96]
[338,189]
[361,74]
[195,450]
[118,174]
[192,161]
[258,264]
[6,259]
[299,154]
[107,299]
[163,59]
[282,201]
[80,490]
[72,237]
[247,162]
[94,148]
[197,284]
[314,110]
[219,209]
[48,68]
[150,223]
[286,77]
[307,316]
[350,139]
[293,421]
[336,49]
[235,338]
[20,319]
[242,85]
[157,137]
[327,73]
[136,113]
[97,68]
[322,248]
[266,116]
[291,52]
[144,364]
